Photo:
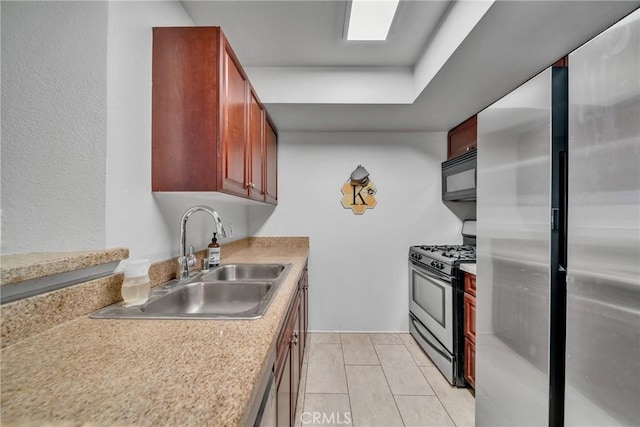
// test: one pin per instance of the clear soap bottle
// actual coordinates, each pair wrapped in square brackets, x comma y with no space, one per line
[214,252]
[136,284]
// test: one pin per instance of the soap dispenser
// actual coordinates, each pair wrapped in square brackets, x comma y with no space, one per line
[214,252]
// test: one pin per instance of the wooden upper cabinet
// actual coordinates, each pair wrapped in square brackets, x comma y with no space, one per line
[271,164]
[256,149]
[463,138]
[208,125]
[234,131]
[185,116]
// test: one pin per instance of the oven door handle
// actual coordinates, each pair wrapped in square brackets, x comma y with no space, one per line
[433,274]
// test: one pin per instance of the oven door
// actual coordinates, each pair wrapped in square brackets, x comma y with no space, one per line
[431,302]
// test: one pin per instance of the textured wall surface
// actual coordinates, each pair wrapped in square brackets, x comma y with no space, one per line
[358,269]
[76,133]
[53,125]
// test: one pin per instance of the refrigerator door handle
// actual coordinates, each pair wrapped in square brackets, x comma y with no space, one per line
[555,219]
[564,209]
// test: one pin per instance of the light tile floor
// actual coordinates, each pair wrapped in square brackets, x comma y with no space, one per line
[371,380]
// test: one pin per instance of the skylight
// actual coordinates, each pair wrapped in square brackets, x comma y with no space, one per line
[370,20]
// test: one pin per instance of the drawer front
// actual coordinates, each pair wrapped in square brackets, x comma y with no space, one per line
[470,283]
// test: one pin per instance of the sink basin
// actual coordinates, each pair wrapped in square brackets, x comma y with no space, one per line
[213,299]
[231,291]
[245,272]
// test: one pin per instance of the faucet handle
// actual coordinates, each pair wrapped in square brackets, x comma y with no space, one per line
[191,259]
[222,232]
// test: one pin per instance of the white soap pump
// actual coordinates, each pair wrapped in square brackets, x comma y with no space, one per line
[136,284]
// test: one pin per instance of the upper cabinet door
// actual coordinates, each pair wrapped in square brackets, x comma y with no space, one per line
[184,114]
[256,147]
[271,164]
[463,138]
[234,127]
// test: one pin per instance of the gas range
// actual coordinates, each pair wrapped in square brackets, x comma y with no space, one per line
[443,258]
[436,301]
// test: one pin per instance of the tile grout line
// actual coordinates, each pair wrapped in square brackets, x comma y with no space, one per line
[438,396]
[389,385]
[346,380]
[435,393]
[412,356]
[420,368]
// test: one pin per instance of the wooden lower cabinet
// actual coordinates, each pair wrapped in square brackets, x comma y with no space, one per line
[470,362]
[470,329]
[304,310]
[283,392]
[470,317]
[291,346]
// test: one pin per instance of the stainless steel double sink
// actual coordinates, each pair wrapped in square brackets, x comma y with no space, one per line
[230,291]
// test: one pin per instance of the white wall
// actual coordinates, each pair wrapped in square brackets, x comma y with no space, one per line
[148,225]
[53,125]
[358,264]
[76,132]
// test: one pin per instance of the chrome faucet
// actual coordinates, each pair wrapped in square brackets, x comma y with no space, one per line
[185,261]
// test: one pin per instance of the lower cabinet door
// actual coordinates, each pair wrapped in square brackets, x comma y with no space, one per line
[305,303]
[469,317]
[470,362]
[283,393]
[290,358]
[296,359]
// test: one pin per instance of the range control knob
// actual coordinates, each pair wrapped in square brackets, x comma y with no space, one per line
[419,256]
[433,264]
[441,266]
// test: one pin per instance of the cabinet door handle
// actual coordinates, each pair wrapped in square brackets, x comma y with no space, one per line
[294,338]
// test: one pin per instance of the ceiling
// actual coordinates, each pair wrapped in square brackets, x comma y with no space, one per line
[309,33]
[448,59]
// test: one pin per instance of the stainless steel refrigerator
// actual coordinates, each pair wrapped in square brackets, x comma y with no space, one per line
[558,243]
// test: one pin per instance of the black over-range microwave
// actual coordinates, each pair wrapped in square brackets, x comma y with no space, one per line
[459,178]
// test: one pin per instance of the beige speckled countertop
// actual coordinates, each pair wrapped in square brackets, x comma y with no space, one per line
[21,267]
[468,267]
[147,372]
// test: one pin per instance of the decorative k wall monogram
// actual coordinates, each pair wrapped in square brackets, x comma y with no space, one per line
[359,191]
